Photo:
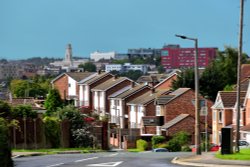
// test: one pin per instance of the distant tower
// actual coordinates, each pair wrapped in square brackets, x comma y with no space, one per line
[68,55]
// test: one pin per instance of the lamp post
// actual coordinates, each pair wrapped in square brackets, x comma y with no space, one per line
[197,113]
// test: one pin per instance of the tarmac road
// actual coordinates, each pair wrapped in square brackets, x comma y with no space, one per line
[106,159]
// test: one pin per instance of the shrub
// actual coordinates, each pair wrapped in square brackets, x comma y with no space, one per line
[186,148]
[162,145]
[141,145]
[157,140]
[174,145]
[5,150]
[182,137]
[52,130]
[22,111]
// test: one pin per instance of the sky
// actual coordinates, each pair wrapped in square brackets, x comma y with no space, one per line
[43,28]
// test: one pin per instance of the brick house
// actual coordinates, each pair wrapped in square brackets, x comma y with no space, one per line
[85,93]
[118,107]
[68,84]
[178,111]
[167,82]
[142,110]
[224,112]
[101,93]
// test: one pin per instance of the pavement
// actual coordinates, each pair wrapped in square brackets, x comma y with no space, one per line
[209,160]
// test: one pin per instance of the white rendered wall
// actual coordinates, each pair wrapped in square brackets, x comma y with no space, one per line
[72,87]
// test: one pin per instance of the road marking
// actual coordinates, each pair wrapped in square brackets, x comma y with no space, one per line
[113,155]
[110,164]
[86,159]
[55,165]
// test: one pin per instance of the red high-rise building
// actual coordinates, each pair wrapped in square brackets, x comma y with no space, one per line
[174,57]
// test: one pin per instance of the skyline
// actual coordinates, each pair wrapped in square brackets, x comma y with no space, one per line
[44,28]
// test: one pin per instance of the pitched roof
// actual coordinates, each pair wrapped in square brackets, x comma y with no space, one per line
[164,99]
[152,78]
[131,91]
[243,85]
[174,121]
[95,78]
[147,97]
[78,76]
[229,98]
[109,84]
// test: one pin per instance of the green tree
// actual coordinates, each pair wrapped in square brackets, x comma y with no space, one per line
[88,66]
[133,74]
[5,109]
[28,88]
[53,101]
[184,79]
[5,149]
[220,73]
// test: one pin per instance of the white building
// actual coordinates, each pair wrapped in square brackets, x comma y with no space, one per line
[96,56]
[126,67]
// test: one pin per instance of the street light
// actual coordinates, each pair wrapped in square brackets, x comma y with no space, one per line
[197,113]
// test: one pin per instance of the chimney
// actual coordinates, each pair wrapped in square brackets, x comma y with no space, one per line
[132,84]
[115,77]
[152,90]
[99,72]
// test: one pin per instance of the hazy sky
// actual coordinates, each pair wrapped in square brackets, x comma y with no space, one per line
[31,28]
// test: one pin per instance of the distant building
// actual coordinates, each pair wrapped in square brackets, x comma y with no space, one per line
[143,52]
[10,70]
[175,57]
[69,62]
[96,56]
[126,67]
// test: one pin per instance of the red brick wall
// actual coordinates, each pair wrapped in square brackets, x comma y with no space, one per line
[61,84]
[228,117]
[182,126]
[183,105]
[168,83]
[150,109]
[150,130]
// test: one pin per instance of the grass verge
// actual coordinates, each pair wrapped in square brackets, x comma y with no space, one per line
[134,150]
[56,150]
[244,154]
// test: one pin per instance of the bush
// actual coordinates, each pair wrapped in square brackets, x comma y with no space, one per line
[174,145]
[52,131]
[162,145]
[5,149]
[157,140]
[141,145]
[186,148]
[182,137]
[23,111]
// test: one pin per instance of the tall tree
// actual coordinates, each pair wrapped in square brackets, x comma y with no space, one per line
[53,101]
[184,79]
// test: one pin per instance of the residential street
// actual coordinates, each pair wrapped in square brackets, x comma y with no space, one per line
[111,159]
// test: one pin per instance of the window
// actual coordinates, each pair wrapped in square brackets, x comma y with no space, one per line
[220,116]
[158,110]
[69,85]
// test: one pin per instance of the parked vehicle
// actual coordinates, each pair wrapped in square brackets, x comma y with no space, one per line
[243,143]
[214,147]
[160,150]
